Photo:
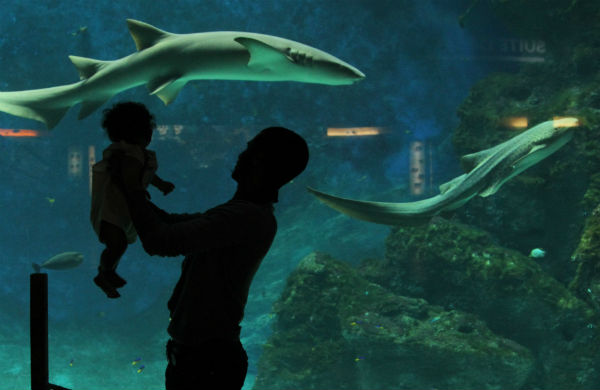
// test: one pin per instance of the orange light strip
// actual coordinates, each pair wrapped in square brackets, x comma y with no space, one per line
[353,131]
[19,133]
[516,122]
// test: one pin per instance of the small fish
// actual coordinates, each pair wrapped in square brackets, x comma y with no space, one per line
[51,200]
[71,362]
[136,361]
[80,30]
[358,358]
[537,253]
[140,369]
[65,260]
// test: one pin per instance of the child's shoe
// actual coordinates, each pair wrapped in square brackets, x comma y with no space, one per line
[102,281]
[115,279]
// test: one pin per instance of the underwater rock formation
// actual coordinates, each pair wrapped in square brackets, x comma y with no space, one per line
[586,283]
[546,206]
[336,330]
[525,214]
[460,267]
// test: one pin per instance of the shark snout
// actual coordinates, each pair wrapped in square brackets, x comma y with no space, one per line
[344,74]
[358,75]
[350,73]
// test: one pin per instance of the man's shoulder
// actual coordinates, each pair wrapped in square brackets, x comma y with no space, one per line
[246,207]
[250,213]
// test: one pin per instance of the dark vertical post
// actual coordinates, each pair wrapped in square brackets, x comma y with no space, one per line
[38,328]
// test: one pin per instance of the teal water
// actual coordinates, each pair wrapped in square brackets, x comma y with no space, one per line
[443,79]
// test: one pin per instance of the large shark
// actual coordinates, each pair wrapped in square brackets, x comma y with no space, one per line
[165,62]
[487,171]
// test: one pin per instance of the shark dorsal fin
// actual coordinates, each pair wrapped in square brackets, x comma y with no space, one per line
[261,53]
[469,161]
[452,183]
[144,34]
[87,67]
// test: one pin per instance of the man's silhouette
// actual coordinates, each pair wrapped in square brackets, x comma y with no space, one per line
[223,249]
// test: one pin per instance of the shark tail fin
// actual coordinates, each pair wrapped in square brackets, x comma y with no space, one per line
[87,67]
[49,116]
[145,35]
[376,212]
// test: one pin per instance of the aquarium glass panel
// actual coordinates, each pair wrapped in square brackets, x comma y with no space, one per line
[444,234]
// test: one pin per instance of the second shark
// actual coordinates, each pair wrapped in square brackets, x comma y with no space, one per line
[487,171]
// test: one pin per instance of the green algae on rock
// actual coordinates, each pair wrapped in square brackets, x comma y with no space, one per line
[335,329]
[460,267]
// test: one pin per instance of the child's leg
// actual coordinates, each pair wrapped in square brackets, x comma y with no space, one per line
[116,244]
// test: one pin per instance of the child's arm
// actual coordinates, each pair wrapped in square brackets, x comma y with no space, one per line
[164,186]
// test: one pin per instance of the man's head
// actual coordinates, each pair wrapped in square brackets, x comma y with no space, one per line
[273,158]
[130,122]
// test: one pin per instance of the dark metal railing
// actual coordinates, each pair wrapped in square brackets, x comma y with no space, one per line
[38,329]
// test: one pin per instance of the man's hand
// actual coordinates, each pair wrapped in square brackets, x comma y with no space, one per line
[126,171]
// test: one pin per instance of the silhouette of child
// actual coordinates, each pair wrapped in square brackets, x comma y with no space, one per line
[129,126]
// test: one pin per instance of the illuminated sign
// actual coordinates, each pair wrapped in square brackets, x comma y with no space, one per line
[354,131]
[170,132]
[521,122]
[91,162]
[74,162]
[417,168]
[19,133]
[516,122]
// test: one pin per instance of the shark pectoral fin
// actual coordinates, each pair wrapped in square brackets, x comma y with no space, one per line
[145,35]
[262,56]
[170,92]
[452,183]
[87,67]
[89,106]
[528,156]
[491,190]
[538,147]
[166,89]
[529,159]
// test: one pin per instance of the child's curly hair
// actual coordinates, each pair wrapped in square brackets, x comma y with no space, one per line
[128,121]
